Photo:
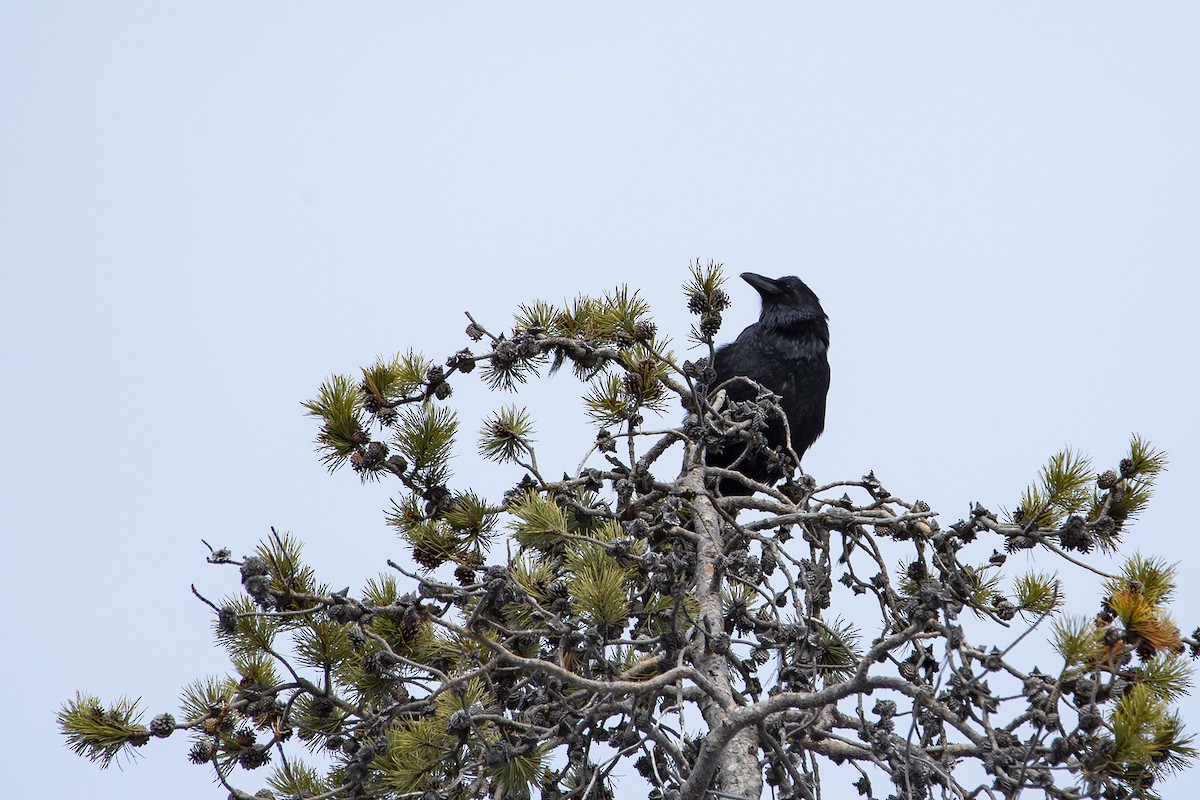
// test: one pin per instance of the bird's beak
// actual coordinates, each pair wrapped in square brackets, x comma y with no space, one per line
[765,286]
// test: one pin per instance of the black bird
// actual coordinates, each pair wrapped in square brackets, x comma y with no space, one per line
[786,352]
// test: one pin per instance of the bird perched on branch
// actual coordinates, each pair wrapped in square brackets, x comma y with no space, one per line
[785,352]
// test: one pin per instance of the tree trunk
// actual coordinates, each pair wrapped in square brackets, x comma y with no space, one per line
[739,774]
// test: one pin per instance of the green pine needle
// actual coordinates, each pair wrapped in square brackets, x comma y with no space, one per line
[1077,639]
[382,590]
[1173,752]
[1037,593]
[405,513]
[339,405]
[1063,488]
[601,593]
[598,585]
[621,317]
[508,377]
[296,779]
[424,435]
[578,320]
[612,398]
[508,368]
[665,614]
[539,523]
[252,632]
[422,755]
[985,588]
[644,375]
[329,722]
[321,644]
[840,653]
[256,668]
[1155,576]
[473,519]
[201,696]
[1145,459]
[606,401]
[433,543]
[418,757]
[706,299]
[516,775]
[101,734]
[1137,496]
[1147,736]
[282,552]
[705,280]
[538,316]
[534,576]
[506,435]
[397,377]
[1036,510]
[1167,676]
[1067,479]
[741,594]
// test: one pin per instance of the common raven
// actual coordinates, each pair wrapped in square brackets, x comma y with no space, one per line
[786,352]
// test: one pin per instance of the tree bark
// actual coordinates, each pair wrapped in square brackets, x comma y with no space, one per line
[735,766]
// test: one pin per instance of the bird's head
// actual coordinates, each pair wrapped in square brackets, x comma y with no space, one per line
[786,302]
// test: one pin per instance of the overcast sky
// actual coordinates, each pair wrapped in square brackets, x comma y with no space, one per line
[206,208]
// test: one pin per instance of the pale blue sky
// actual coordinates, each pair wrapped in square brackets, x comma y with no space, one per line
[205,208]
